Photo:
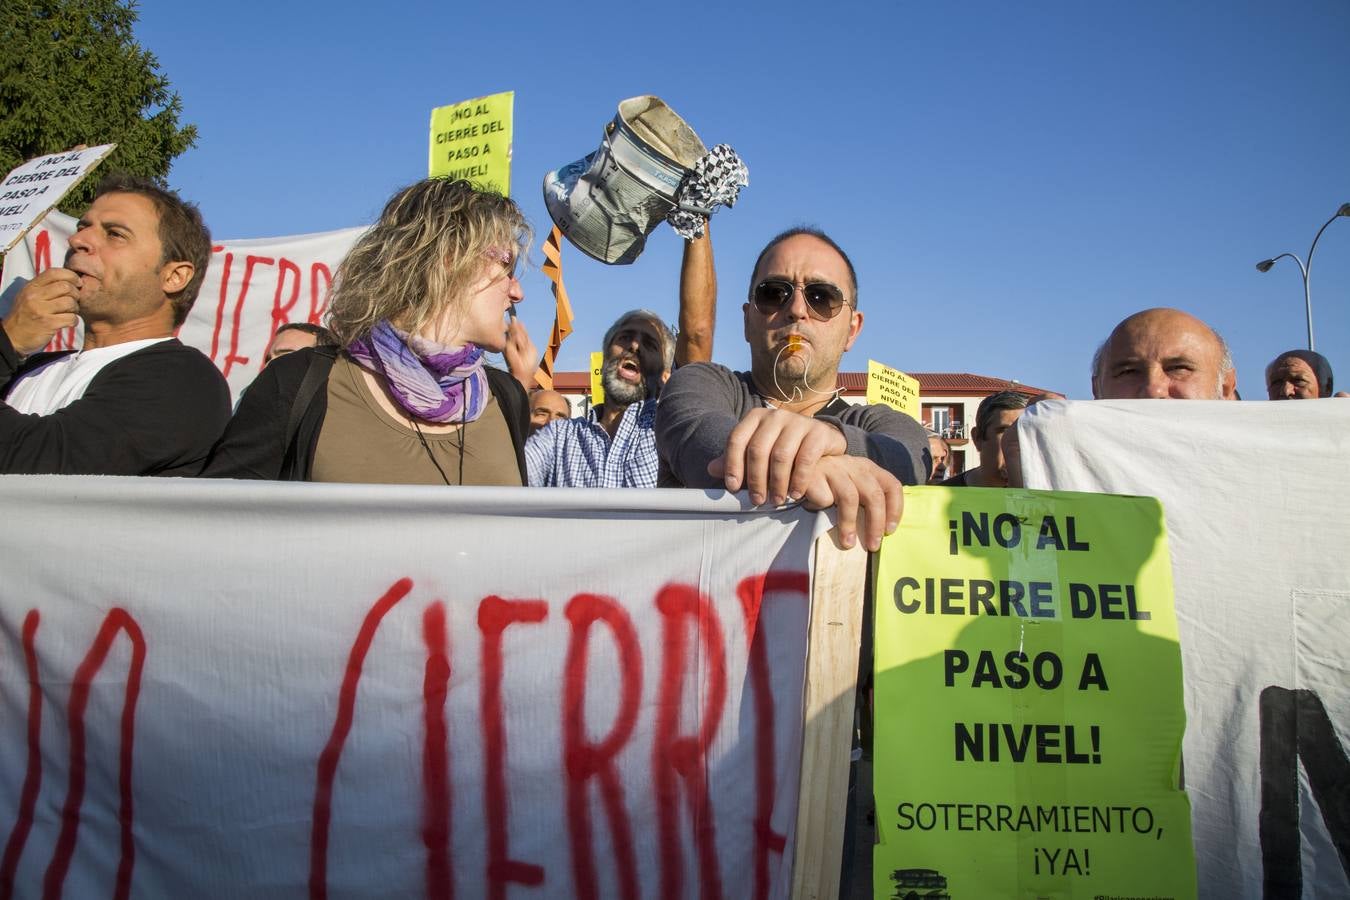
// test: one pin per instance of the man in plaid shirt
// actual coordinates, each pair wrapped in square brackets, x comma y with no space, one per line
[614,445]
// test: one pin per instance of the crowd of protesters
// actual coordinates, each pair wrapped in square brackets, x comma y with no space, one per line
[395,388]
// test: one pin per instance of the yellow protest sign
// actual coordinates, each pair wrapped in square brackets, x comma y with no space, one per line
[597,385]
[1028,700]
[472,140]
[893,388]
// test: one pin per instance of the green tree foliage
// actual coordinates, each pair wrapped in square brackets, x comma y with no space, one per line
[72,73]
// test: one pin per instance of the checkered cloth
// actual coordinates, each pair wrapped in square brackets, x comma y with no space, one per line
[579,453]
[716,181]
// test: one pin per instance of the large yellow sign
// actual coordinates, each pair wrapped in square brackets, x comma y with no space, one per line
[472,140]
[1028,700]
[893,388]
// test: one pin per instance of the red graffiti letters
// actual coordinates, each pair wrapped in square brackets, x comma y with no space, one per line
[436,756]
[650,770]
[585,760]
[116,621]
[342,726]
[682,756]
[494,615]
[751,593]
[290,281]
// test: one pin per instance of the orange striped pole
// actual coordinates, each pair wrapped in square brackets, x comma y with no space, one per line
[562,315]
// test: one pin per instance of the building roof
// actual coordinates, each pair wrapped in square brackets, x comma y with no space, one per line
[930,383]
[572,382]
[952,383]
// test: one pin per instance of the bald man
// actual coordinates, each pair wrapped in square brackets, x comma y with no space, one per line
[1299,375]
[1163,354]
[546,406]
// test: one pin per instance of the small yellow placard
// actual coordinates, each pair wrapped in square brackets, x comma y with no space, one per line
[597,385]
[1028,700]
[893,388]
[472,140]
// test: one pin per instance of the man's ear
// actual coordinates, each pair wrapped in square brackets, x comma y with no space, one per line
[854,329]
[1229,389]
[175,275]
[745,321]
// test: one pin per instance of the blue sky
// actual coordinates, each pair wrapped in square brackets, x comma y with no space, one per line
[1010,179]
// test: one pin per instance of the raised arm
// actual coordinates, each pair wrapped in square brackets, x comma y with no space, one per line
[698,302]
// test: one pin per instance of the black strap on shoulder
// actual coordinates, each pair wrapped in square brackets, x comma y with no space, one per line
[835,407]
[515,409]
[316,376]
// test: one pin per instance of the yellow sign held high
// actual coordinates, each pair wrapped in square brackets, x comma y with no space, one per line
[597,384]
[472,140]
[893,388]
[1028,700]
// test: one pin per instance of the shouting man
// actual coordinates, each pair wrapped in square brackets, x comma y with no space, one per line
[615,444]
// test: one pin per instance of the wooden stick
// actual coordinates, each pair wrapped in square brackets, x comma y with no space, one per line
[835,628]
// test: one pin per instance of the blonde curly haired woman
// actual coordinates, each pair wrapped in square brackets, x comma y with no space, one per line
[407,398]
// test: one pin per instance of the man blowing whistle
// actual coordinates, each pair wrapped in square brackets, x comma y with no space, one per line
[132,400]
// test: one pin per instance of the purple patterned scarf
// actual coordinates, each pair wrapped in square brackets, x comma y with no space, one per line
[431,381]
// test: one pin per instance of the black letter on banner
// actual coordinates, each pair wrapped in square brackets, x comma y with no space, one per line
[1295,726]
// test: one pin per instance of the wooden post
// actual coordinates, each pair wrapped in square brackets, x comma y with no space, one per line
[837,585]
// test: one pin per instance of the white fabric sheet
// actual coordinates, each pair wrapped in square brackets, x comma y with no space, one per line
[250,600]
[1257,499]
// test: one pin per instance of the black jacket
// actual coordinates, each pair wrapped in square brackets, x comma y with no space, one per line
[276,428]
[156,411]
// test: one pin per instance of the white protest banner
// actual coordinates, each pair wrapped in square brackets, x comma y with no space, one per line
[33,188]
[1256,498]
[231,689]
[252,287]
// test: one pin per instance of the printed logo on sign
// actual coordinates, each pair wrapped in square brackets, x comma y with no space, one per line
[919,884]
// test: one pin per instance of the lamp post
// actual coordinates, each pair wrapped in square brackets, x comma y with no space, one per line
[1265,264]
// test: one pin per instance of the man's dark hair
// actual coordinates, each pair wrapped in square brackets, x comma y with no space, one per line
[182,233]
[322,336]
[996,403]
[816,233]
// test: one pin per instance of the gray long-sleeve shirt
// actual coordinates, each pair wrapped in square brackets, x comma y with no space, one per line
[702,403]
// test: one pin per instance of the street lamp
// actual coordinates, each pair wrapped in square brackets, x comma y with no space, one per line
[1265,264]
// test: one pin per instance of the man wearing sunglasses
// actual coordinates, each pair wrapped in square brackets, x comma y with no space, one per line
[780,431]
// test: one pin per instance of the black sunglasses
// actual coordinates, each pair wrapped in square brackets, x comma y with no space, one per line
[824,300]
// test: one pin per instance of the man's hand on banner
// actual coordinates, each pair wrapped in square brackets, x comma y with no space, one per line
[45,305]
[772,453]
[867,498]
[778,456]
[521,355]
